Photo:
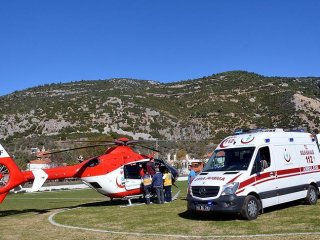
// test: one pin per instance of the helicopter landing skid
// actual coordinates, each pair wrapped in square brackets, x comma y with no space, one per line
[129,198]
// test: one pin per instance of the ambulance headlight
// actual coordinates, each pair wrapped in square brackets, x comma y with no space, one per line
[229,188]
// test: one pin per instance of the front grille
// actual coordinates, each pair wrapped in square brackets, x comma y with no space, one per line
[205,191]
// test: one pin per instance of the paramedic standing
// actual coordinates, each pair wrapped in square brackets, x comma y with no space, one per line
[146,181]
[167,183]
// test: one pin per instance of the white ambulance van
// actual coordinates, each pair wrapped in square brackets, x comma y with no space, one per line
[257,169]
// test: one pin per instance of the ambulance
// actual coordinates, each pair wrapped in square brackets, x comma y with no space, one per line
[255,169]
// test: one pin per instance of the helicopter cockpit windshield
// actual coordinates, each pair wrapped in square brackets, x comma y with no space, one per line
[232,159]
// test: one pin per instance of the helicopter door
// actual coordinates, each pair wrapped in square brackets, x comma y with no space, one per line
[132,176]
[164,165]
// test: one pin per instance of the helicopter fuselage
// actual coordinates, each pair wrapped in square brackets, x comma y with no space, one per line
[115,174]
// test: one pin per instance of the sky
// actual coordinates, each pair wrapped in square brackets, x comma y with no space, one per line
[55,41]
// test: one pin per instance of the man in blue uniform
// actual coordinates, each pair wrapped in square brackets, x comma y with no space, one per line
[157,183]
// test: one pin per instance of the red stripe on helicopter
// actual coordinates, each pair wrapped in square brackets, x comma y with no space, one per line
[132,192]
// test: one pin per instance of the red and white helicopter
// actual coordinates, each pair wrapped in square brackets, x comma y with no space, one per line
[115,174]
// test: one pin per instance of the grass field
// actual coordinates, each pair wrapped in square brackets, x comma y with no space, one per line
[25,216]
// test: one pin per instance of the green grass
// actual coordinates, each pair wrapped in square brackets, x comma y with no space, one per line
[172,218]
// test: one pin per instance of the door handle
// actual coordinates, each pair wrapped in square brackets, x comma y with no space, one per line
[272,174]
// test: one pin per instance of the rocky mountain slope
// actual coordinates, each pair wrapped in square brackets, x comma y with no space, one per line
[205,109]
[209,107]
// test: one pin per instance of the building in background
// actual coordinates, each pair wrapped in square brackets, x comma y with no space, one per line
[182,165]
[42,161]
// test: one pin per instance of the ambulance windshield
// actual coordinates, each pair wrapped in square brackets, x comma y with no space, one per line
[232,159]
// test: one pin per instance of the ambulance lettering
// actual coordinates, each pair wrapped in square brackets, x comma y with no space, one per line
[199,179]
[308,153]
[228,142]
[210,178]
[1,151]
[216,178]
[309,159]
[310,168]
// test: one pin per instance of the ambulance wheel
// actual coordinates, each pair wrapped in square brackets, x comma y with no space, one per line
[312,195]
[250,208]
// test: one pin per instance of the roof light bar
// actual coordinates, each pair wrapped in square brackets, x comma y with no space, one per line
[239,131]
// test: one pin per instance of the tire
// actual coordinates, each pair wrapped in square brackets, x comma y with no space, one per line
[312,195]
[250,208]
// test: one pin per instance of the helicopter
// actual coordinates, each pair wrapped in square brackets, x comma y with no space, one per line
[115,174]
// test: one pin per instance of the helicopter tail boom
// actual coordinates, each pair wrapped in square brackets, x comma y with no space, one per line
[11,176]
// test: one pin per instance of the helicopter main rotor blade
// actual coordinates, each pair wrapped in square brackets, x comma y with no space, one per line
[77,148]
[88,141]
[133,142]
[152,149]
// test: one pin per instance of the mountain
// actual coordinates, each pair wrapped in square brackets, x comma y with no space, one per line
[205,108]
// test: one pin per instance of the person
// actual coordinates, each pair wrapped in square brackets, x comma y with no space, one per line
[264,162]
[147,181]
[151,167]
[192,174]
[157,184]
[167,183]
[141,171]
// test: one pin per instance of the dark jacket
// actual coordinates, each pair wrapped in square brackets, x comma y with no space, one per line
[157,180]
[151,168]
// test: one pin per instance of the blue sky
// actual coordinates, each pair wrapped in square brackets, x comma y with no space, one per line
[169,40]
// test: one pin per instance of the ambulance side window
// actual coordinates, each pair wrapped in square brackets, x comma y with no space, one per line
[262,160]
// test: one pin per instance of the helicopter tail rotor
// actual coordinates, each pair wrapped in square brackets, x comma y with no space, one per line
[10,174]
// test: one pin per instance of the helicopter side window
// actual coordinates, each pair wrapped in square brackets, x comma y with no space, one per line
[93,162]
[132,171]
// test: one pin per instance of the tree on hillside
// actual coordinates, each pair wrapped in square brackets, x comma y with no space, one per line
[181,154]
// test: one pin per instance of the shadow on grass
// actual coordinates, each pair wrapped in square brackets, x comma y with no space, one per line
[218,216]
[208,216]
[6,213]
[284,206]
[16,212]
[114,202]
[204,216]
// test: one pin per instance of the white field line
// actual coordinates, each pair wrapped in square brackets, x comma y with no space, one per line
[53,222]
